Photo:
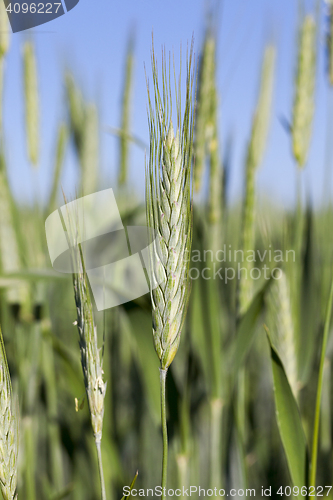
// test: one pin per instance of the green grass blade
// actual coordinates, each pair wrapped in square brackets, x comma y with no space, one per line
[132,486]
[246,332]
[289,422]
[314,456]
[141,323]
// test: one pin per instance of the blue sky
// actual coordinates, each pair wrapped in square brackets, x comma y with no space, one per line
[91,40]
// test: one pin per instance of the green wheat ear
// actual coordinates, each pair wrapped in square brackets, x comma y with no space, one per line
[205,106]
[31,102]
[168,204]
[126,112]
[330,43]
[9,416]
[91,355]
[256,149]
[169,218]
[304,92]
[4,30]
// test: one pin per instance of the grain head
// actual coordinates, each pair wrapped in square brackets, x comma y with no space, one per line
[168,202]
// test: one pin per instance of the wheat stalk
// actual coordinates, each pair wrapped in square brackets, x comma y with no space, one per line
[169,217]
[8,430]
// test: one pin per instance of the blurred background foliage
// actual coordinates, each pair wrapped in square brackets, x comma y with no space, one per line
[227,426]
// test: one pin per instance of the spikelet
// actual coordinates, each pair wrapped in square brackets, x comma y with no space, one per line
[303,110]
[4,30]
[203,106]
[31,102]
[9,416]
[169,215]
[260,127]
[125,121]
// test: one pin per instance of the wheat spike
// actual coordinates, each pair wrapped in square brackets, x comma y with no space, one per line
[216,172]
[62,137]
[304,93]
[260,125]
[92,364]
[205,94]
[90,354]
[215,199]
[76,109]
[256,148]
[31,102]
[125,119]
[10,259]
[4,45]
[4,30]
[168,195]
[89,150]
[8,430]
[330,42]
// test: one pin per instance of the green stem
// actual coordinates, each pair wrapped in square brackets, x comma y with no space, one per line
[100,467]
[216,465]
[314,457]
[163,374]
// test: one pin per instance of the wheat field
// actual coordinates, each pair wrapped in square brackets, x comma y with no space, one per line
[237,334]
